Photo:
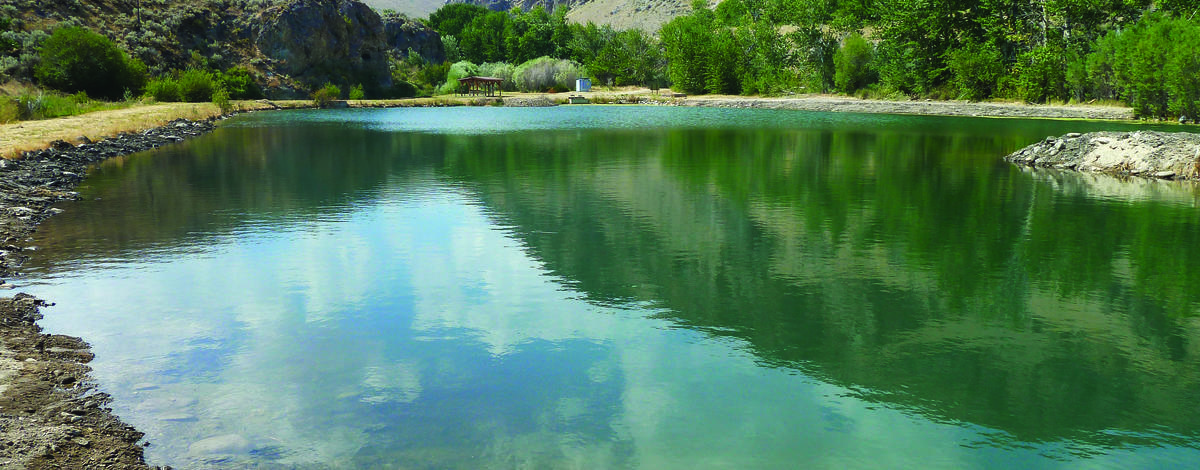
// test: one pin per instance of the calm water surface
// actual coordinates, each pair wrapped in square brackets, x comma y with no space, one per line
[617,287]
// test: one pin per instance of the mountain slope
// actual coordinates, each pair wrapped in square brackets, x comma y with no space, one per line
[290,46]
[647,15]
[412,8]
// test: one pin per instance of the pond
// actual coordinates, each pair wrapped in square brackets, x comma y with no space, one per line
[631,287]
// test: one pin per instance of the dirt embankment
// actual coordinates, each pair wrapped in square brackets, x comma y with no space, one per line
[1165,155]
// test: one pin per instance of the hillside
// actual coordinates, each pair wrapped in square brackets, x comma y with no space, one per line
[412,8]
[289,46]
[646,15]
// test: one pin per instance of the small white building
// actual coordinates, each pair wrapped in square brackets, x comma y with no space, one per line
[583,84]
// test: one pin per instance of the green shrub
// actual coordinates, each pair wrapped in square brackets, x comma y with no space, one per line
[326,95]
[501,70]
[977,68]
[75,59]
[240,83]
[545,74]
[898,68]
[356,93]
[196,85]
[220,97]
[429,77]
[1151,66]
[1040,74]
[403,89]
[31,106]
[9,111]
[460,69]
[164,89]
[852,64]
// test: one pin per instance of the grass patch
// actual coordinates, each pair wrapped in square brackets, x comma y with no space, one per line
[25,103]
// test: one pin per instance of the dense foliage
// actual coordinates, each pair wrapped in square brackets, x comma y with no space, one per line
[545,48]
[75,59]
[1138,51]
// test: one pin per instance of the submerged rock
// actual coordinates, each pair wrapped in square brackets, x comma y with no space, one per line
[220,445]
[1164,155]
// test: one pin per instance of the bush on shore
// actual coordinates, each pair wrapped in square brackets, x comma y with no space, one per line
[75,59]
[326,95]
[460,69]
[976,68]
[546,74]
[852,64]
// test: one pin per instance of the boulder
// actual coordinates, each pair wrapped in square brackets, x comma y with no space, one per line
[318,41]
[403,33]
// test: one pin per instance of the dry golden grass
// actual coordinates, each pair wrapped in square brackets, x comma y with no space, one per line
[17,137]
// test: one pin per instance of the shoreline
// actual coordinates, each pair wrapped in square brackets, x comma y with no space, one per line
[52,413]
[24,136]
[833,103]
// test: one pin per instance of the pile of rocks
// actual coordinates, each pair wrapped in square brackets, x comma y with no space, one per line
[1166,155]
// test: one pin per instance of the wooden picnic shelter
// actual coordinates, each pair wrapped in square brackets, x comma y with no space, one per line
[480,86]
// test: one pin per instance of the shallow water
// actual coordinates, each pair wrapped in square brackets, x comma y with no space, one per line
[615,287]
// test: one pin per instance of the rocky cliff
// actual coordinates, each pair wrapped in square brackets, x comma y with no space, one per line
[292,46]
[318,41]
[403,33]
[1167,155]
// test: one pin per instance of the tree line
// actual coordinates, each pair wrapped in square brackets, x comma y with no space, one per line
[1141,52]
[537,50]
[1144,53]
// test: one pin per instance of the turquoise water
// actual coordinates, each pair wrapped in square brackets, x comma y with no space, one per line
[632,287]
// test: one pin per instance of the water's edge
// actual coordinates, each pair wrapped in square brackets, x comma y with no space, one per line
[51,413]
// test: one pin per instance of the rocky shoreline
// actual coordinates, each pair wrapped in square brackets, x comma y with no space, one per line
[1163,155]
[51,413]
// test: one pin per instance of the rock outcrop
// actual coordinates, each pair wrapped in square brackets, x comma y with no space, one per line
[291,47]
[317,41]
[1166,155]
[403,33]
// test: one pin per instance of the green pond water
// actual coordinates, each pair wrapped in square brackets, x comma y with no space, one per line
[632,287]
